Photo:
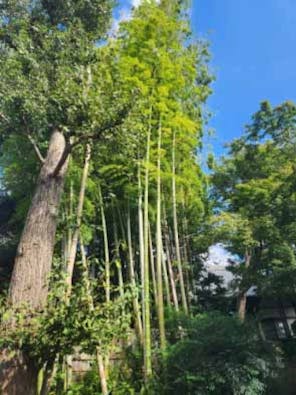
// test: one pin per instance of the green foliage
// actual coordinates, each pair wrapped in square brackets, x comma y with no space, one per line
[93,15]
[89,385]
[56,75]
[52,76]
[211,293]
[255,184]
[52,71]
[63,326]
[214,354]
[118,382]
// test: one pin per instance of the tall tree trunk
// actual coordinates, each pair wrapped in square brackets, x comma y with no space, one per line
[242,297]
[18,375]
[176,232]
[29,282]
[159,251]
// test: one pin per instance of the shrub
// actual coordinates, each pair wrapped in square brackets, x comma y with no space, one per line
[214,354]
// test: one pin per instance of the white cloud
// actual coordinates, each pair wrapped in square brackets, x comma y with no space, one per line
[217,262]
[125,13]
[218,255]
[135,3]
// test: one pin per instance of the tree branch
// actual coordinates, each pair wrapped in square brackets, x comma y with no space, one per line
[36,149]
[121,116]
[97,134]
[33,142]
[28,134]
[62,161]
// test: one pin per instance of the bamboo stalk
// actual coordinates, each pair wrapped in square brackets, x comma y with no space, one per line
[74,241]
[136,306]
[106,245]
[159,250]
[152,265]
[146,285]
[176,232]
[117,255]
[169,261]
[99,358]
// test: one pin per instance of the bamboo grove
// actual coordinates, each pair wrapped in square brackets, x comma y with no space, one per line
[134,196]
[111,214]
[138,184]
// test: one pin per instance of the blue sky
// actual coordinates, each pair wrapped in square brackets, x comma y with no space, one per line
[253,46]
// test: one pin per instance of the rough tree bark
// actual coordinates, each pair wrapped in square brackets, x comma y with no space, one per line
[29,283]
[18,375]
